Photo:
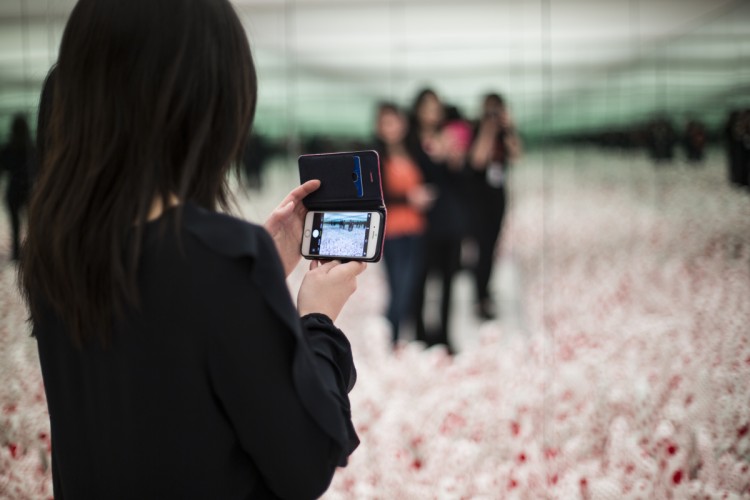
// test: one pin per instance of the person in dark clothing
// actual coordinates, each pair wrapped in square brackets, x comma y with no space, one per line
[174,360]
[496,144]
[256,154]
[737,137]
[446,219]
[661,140]
[731,145]
[17,158]
[695,141]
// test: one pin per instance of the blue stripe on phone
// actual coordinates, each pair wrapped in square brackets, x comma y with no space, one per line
[357,176]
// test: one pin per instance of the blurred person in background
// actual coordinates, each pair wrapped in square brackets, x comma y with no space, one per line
[407,198]
[661,140]
[495,146]
[254,159]
[730,145]
[457,136]
[446,219]
[695,141]
[737,137]
[17,158]
[174,360]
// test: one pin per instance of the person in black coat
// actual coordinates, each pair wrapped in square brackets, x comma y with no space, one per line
[175,362]
[495,146]
[737,140]
[17,159]
[446,218]
[695,141]
[661,140]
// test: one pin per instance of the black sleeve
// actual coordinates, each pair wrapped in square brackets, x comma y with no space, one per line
[284,391]
[331,345]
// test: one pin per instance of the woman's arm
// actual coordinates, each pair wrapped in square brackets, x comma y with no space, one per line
[513,145]
[251,372]
[285,391]
[480,153]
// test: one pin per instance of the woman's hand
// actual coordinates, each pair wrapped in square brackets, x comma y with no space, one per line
[422,197]
[286,223]
[327,286]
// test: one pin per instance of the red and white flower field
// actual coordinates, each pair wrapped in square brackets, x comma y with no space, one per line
[628,375]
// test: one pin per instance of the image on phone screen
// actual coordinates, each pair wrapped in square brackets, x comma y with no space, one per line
[340,234]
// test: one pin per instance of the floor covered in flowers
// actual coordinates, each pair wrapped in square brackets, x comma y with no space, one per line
[619,366]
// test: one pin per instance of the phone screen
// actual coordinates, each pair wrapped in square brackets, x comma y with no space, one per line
[340,234]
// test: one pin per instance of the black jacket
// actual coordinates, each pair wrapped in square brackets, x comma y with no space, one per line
[20,163]
[448,216]
[214,389]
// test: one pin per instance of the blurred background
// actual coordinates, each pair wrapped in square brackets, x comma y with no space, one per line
[567,67]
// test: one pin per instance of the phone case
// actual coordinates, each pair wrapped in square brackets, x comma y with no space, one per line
[348,181]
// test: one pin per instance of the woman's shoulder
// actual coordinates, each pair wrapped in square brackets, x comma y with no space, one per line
[225,234]
[233,242]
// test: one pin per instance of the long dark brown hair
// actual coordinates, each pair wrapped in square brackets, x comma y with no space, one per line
[150,98]
[383,108]
[415,127]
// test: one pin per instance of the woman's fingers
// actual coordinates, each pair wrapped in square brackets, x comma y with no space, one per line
[327,287]
[353,268]
[293,201]
[285,210]
[357,267]
[327,265]
[306,188]
[301,191]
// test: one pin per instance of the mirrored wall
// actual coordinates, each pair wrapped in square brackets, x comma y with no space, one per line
[564,66]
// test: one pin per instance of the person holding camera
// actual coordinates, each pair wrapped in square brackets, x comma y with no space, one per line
[174,360]
[495,146]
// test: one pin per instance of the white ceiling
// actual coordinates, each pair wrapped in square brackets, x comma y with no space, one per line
[562,64]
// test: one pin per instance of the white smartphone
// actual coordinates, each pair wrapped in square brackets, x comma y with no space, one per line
[347,235]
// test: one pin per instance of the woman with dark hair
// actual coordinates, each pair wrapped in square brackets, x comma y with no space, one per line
[446,218]
[406,198]
[174,360]
[495,146]
[17,157]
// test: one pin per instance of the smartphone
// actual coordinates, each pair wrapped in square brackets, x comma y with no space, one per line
[342,235]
